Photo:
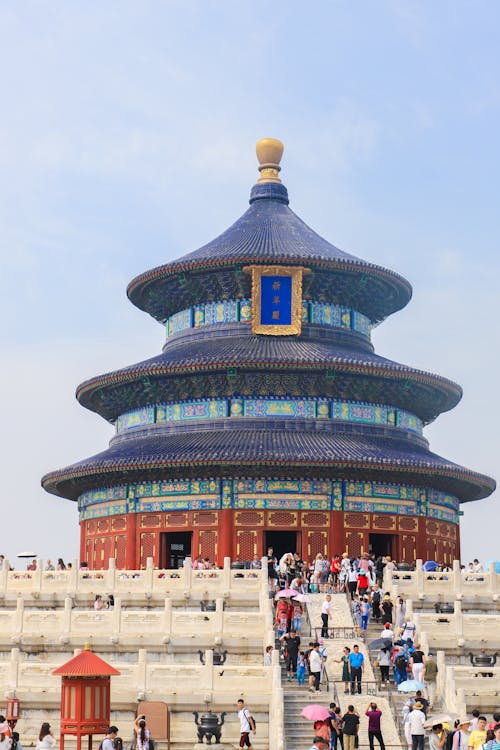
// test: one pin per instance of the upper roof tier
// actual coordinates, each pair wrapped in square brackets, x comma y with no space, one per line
[269,231]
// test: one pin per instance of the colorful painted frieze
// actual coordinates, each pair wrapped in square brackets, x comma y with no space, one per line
[179,322]
[136,418]
[225,311]
[187,410]
[270,407]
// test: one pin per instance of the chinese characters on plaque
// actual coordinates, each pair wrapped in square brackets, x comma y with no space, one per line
[277,299]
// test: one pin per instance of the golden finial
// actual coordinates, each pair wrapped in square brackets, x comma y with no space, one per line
[86,646]
[269,153]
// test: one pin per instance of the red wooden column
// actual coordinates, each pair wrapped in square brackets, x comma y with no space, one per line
[131,550]
[337,539]
[226,541]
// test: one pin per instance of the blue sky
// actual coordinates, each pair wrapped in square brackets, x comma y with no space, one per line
[127,139]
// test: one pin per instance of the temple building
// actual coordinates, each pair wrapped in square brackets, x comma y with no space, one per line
[267,419]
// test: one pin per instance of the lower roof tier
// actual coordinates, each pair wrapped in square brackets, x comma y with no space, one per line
[373,378]
[291,452]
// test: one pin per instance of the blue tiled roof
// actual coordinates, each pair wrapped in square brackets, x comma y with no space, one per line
[216,448]
[269,231]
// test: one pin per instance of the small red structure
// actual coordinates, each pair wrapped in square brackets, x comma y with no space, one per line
[85,696]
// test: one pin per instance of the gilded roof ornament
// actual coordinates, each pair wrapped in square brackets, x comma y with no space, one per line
[269,153]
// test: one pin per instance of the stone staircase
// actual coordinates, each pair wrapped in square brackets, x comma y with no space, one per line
[298,731]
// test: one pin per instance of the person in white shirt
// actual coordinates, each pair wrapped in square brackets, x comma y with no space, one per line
[268,656]
[477,567]
[387,632]
[247,724]
[46,739]
[107,743]
[409,629]
[315,663]
[325,615]
[416,719]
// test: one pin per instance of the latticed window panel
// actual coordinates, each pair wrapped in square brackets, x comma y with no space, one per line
[354,543]
[249,518]
[357,520]
[317,541]
[282,518]
[208,544]
[246,544]
[148,547]
[121,550]
[314,519]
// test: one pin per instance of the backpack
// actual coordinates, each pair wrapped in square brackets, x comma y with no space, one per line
[376,597]
[400,662]
[250,716]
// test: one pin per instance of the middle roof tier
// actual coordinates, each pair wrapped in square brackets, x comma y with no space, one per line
[206,366]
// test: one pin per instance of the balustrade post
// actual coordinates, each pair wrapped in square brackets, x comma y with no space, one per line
[219,616]
[13,669]
[409,609]
[494,582]
[19,614]
[167,618]
[142,673]
[4,576]
[74,578]
[441,674]
[459,622]
[111,576]
[37,576]
[419,576]
[227,582]
[150,569]
[207,680]
[457,579]
[68,610]
[117,616]
[187,572]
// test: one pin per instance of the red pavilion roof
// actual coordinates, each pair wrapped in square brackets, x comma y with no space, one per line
[86,664]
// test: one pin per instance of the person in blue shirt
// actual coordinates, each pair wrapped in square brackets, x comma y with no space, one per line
[356,660]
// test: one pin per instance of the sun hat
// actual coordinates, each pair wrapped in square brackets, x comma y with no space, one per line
[418,705]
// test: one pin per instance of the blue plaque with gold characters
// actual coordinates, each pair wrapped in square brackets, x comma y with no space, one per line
[277,299]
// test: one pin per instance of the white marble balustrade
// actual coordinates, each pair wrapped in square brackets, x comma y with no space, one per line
[457,584]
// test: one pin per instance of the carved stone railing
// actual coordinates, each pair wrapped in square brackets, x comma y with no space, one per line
[450,585]
[148,583]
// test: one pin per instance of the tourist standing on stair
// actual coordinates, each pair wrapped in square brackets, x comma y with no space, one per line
[384,662]
[417,664]
[247,724]
[350,728]
[356,660]
[416,719]
[292,644]
[430,675]
[325,615]
[374,731]
[346,675]
[315,662]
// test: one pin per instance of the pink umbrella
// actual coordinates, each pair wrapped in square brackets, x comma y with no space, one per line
[302,598]
[315,712]
[285,593]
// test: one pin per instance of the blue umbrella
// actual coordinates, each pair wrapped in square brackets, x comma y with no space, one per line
[430,566]
[410,686]
[496,563]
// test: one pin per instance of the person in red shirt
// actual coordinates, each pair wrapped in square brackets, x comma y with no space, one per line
[362,583]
